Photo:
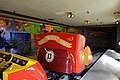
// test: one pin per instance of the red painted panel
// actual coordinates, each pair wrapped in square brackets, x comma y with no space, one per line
[61,63]
[34,72]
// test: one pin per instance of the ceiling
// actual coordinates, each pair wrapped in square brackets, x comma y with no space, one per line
[98,12]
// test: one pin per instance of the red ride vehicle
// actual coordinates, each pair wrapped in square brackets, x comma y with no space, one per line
[62,55]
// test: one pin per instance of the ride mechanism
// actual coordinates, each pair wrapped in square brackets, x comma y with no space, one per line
[61,56]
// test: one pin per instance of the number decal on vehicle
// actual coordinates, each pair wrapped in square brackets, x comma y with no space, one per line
[49,56]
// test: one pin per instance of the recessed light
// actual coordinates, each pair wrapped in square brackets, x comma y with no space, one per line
[117,22]
[116,13]
[87,21]
[70,15]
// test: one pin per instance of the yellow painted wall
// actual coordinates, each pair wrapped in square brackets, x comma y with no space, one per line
[74,30]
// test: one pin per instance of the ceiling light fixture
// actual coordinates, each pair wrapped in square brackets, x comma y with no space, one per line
[117,22]
[116,15]
[87,21]
[70,15]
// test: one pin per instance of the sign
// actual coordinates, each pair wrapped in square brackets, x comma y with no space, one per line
[55,38]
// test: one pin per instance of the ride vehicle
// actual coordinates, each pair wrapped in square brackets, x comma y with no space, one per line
[16,67]
[62,55]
